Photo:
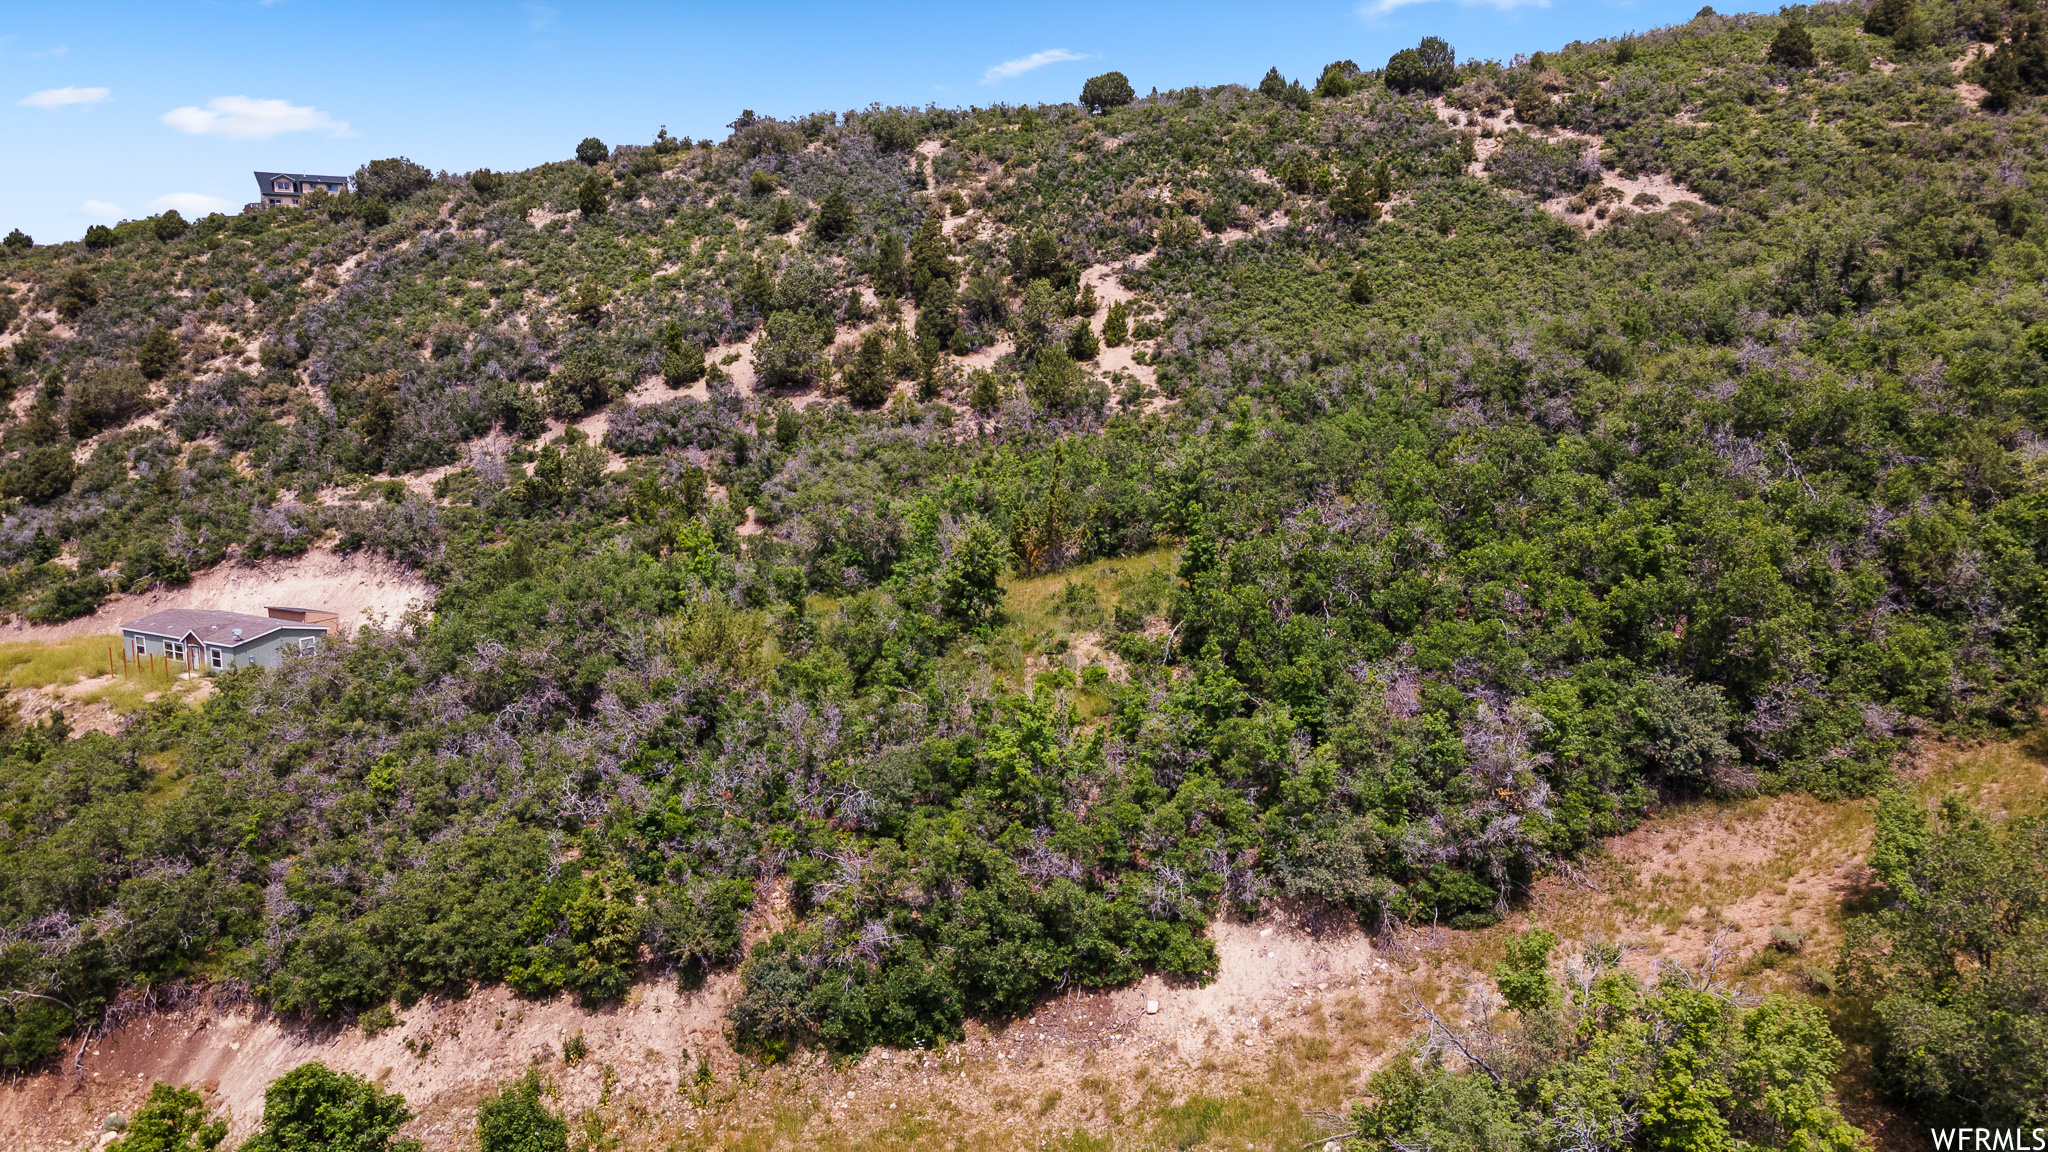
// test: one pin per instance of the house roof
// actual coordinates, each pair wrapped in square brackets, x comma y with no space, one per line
[212,627]
[264,179]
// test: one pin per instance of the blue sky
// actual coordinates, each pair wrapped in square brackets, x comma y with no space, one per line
[114,111]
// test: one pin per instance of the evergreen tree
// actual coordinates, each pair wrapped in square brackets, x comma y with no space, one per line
[835,216]
[159,352]
[867,373]
[592,151]
[970,582]
[1274,85]
[1888,16]
[392,180]
[929,263]
[592,194]
[1054,382]
[1356,200]
[1109,90]
[17,241]
[888,266]
[938,316]
[784,216]
[1339,79]
[757,286]
[2018,68]
[1116,327]
[169,226]
[1430,66]
[683,364]
[1361,288]
[1082,344]
[1793,46]
[589,303]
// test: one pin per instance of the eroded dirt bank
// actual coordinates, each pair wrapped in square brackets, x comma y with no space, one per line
[1268,1054]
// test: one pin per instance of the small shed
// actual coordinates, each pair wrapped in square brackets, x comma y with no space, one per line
[212,641]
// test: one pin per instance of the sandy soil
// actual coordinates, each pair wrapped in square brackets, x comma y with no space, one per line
[445,1055]
[1109,289]
[1664,188]
[359,585]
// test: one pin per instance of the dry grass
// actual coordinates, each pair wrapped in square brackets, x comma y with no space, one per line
[1033,602]
[60,664]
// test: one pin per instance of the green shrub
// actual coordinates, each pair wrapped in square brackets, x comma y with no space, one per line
[171,1120]
[515,1120]
[315,1109]
[392,181]
[1952,962]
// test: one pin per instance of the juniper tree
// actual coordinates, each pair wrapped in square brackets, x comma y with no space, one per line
[1082,344]
[1793,46]
[158,353]
[1116,327]
[592,194]
[835,216]
[867,373]
[1109,90]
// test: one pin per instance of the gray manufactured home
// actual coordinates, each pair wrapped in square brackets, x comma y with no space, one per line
[208,641]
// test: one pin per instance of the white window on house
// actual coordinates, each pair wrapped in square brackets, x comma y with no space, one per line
[175,649]
[141,647]
[305,645]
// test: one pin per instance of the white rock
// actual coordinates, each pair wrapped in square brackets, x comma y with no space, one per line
[1151,1007]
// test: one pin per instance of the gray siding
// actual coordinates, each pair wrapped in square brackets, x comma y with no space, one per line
[268,650]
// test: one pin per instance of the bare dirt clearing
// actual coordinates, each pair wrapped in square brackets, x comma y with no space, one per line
[360,586]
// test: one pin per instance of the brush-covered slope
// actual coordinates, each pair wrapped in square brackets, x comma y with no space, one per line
[1649,419]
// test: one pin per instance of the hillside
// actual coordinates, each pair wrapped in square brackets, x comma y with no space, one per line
[901,567]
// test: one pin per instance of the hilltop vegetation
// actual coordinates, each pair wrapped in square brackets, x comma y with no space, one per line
[1499,512]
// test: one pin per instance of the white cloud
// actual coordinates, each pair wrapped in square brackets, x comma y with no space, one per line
[189,203]
[1009,69]
[241,118]
[1382,7]
[100,209]
[59,97]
